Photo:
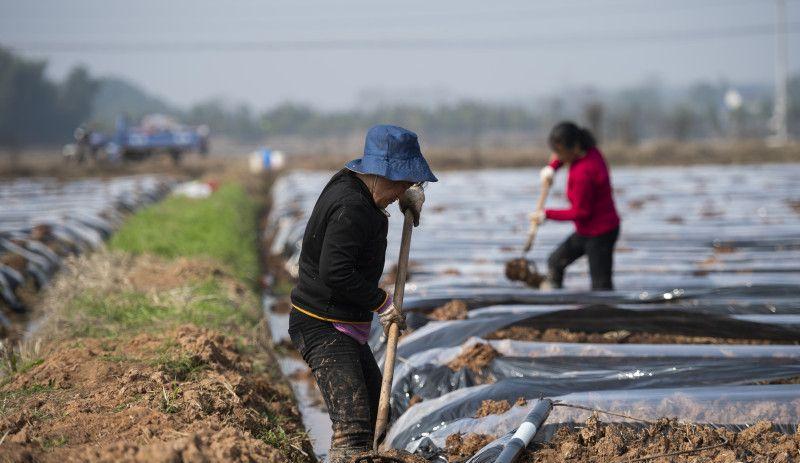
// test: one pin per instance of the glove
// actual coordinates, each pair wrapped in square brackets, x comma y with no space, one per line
[391,315]
[412,199]
[537,217]
[546,174]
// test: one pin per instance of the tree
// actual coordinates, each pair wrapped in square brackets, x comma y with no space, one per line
[34,109]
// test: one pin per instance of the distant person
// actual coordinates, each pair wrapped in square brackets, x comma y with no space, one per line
[591,207]
[337,293]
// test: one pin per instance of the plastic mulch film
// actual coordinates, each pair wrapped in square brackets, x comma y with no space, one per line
[558,368]
[426,425]
[594,319]
[443,334]
[771,318]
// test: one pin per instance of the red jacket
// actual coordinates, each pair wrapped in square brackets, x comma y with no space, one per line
[590,194]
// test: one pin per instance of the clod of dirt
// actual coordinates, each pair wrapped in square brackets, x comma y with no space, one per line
[492,407]
[461,447]
[720,248]
[453,310]
[525,271]
[391,277]
[415,399]
[476,358]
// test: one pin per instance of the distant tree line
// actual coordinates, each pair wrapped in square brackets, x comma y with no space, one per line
[37,110]
[34,109]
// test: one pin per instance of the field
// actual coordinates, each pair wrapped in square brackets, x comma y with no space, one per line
[705,300]
[160,334]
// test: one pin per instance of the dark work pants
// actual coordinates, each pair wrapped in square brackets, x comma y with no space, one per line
[599,250]
[348,378]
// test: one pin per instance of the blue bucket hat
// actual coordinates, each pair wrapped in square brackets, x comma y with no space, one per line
[393,152]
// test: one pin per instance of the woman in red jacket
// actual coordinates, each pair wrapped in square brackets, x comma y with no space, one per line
[592,206]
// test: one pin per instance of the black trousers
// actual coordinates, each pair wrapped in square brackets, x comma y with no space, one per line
[600,251]
[348,378]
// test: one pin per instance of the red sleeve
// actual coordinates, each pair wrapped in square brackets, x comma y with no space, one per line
[554,162]
[580,206]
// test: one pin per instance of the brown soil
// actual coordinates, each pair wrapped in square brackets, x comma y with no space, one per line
[597,441]
[461,447]
[414,400]
[591,324]
[723,248]
[391,276]
[475,358]
[52,165]
[524,333]
[792,380]
[794,204]
[152,274]
[451,271]
[525,271]
[321,155]
[636,204]
[453,310]
[189,394]
[492,407]
[401,455]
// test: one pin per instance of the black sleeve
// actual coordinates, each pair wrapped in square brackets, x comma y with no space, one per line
[345,236]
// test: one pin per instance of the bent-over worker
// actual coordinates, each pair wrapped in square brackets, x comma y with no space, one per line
[591,208]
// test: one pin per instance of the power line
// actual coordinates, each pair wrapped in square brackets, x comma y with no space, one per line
[585,40]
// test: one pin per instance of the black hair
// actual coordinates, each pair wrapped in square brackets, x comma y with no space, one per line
[568,135]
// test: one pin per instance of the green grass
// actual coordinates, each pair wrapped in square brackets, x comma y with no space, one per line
[113,315]
[26,391]
[50,444]
[273,433]
[169,399]
[221,227]
[179,366]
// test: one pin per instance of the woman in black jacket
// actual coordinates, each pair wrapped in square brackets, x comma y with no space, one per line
[341,262]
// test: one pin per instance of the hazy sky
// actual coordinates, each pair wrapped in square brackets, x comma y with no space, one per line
[327,53]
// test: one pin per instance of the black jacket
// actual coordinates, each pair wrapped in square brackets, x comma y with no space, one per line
[344,247]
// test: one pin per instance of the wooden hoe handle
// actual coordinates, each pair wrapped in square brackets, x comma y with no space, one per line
[539,206]
[394,330]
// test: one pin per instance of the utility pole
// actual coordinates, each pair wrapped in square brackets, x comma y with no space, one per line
[780,134]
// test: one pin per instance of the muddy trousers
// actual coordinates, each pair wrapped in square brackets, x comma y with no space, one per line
[348,378]
[598,249]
